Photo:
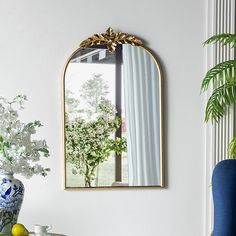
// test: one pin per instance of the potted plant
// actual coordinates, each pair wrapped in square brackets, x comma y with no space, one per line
[19,154]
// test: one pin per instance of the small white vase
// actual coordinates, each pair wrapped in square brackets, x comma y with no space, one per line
[11,197]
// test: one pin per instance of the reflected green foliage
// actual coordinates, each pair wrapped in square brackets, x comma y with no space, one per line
[93,90]
[71,102]
[89,143]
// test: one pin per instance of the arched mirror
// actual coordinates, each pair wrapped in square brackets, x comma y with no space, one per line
[112,91]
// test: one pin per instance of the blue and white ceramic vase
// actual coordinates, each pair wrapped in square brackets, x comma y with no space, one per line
[11,197]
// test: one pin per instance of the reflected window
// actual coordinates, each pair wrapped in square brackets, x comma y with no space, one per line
[94,78]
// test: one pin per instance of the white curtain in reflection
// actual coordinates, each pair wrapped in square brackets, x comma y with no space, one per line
[141,98]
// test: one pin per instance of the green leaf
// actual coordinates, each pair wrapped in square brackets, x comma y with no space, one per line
[9,158]
[44,150]
[222,38]
[219,74]
[232,148]
[221,98]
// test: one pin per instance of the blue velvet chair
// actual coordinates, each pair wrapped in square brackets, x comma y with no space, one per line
[224,196]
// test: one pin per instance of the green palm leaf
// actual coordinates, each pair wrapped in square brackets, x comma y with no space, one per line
[223,78]
[221,98]
[222,38]
[219,74]
[232,148]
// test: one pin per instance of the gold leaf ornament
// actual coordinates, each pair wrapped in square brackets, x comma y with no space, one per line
[111,39]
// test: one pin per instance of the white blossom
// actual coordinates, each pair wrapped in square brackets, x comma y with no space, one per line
[90,143]
[18,151]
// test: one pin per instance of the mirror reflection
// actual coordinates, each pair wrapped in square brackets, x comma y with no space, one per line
[113,123]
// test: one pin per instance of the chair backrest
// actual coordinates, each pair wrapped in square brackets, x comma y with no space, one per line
[224,196]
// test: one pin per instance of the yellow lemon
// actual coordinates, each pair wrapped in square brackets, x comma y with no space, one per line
[19,230]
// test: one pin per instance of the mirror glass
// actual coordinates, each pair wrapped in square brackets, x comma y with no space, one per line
[113,118]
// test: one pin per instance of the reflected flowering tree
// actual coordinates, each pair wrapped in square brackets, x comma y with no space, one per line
[90,143]
[93,90]
[71,102]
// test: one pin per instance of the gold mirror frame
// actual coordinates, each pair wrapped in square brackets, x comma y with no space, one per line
[112,39]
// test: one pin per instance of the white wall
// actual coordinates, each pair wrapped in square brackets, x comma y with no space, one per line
[35,40]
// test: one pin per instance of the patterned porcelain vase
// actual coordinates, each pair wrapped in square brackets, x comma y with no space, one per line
[12,193]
